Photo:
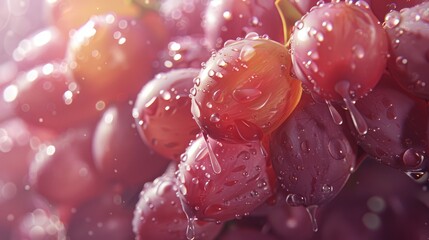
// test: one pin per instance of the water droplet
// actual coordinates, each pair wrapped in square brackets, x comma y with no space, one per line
[197,81]
[211,73]
[327,25]
[327,188]
[228,42]
[246,53]
[299,24]
[312,211]
[151,107]
[337,149]
[213,159]
[359,122]
[412,158]
[245,155]
[183,157]
[392,19]
[245,95]
[305,147]
[336,116]
[401,61]
[252,35]
[361,3]
[295,200]
[418,176]
[183,189]
[217,96]
[190,229]
[215,118]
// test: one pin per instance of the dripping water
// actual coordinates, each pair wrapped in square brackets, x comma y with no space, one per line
[334,113]
[213,159]
[359,122]
[312,211]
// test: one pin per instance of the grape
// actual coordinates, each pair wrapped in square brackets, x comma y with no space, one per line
[182,52]
[303,6]
[245,90]
[339,52]
[379,8]
[312,157]
[46,45]
[397,126]
[408,33]
[221,181]
[46,96]
[225,19]
[104,217]
[339,44]
[70,15]
[183,18]
[120,42]
[131,164]
[159,214]
[161,107]
[62,172]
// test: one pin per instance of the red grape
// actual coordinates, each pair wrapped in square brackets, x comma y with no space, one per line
[132,163]
[183,17]
[46,96]
[312,157]
[398,129]
[221,181]
[159,214]
[162,112]
[105,56]
[182,52]
[62,172]
[336,43]
[339,51]
[70,15]
[44,46]
[102,218]
[245,90]
[303,6]
[408,33]
[225,19]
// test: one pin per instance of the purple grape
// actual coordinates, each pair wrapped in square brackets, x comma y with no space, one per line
[408,33]
[312,156]
[398,126]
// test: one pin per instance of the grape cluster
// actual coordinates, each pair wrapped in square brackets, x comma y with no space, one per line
[214,119]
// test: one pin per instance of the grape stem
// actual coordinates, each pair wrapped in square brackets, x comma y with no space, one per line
[287,12]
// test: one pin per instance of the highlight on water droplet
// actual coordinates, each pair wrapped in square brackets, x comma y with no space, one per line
[312,212]
[359,122]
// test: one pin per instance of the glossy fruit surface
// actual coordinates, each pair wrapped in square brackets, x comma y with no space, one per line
[216,178]
[339,45]
[408,33]
[104,55]
[131,164]
[159,213]
[225,20]
[245,90]
[313,157]
[161,106]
